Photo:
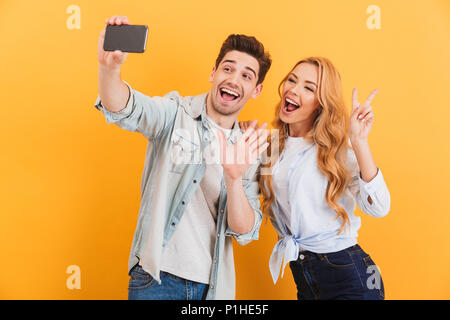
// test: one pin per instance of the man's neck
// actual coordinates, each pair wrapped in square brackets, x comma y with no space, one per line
[224,121]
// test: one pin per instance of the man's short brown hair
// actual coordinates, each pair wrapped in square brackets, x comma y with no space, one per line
[249,45]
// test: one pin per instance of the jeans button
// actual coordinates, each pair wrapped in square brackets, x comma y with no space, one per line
[302,257]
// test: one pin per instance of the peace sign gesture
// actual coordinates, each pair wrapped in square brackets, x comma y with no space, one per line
[361,118]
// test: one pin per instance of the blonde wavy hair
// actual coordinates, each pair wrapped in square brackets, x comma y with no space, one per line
[329,133]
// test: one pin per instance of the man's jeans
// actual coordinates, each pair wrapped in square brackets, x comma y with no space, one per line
[142,286]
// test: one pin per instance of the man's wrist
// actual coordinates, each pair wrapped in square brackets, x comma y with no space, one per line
[109,70]
[230,181]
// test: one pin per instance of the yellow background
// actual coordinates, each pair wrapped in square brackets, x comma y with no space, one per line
[70,184]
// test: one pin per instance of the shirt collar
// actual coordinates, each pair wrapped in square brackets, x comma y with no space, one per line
[197,108]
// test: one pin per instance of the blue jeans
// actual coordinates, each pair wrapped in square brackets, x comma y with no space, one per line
[142,286]
[346,274]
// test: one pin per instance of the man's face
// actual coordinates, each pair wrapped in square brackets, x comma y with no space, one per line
[233,83]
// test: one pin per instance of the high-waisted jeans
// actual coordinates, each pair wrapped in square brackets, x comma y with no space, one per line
[346,274]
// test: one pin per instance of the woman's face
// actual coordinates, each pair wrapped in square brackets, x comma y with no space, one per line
[299,103]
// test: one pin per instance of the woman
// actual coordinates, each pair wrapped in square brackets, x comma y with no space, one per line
[316,179]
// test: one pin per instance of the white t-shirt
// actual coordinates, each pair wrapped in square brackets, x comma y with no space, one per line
[189,252]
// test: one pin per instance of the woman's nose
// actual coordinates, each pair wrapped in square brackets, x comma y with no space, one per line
[295,91]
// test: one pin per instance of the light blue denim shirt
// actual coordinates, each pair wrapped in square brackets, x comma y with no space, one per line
[312,224]
[177,133]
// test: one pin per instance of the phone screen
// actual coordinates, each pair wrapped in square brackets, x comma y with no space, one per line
[126,38]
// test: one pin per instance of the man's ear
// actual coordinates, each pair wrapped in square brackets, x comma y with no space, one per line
[211,76]
[257,91]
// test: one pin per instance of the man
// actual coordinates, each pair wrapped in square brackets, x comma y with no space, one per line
[191,206]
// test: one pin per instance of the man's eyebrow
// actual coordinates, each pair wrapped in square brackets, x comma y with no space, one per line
[234,62]
[254,73]
[225,61]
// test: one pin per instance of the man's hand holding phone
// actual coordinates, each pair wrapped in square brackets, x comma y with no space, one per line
[113,92]
[111,59]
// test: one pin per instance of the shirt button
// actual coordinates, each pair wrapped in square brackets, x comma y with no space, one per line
[195,181]
[182,202]
[211,286]
[214,261]
[173,224]
[221,210]
[218,235]
[302,257]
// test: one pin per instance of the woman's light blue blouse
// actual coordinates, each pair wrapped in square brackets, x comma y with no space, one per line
[311,224]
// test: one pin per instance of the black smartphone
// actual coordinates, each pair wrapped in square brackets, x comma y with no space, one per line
[126,38]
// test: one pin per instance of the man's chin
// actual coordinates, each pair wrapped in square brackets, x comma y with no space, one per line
[231,111]
[226,109]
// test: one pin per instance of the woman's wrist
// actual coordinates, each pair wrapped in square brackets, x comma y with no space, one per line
[363,155]
[358,143]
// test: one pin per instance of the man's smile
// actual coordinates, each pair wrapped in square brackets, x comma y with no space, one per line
[228,94]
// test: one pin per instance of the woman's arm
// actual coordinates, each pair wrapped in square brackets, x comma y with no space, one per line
[366,163]
[361,120]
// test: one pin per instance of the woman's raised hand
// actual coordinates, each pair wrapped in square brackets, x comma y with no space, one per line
[361,118]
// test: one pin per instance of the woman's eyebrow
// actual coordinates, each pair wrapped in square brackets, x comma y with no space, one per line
[307,81]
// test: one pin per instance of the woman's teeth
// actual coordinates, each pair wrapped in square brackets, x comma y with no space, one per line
[291,102]
[291,105]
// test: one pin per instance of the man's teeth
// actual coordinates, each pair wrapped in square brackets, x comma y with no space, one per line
[230,92]
[292,102]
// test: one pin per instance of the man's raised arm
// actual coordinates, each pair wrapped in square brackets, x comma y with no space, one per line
[113,92]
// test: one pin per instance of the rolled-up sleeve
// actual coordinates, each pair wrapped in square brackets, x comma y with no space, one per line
[251,189]
[148,115]
[361,190]
[378,192]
